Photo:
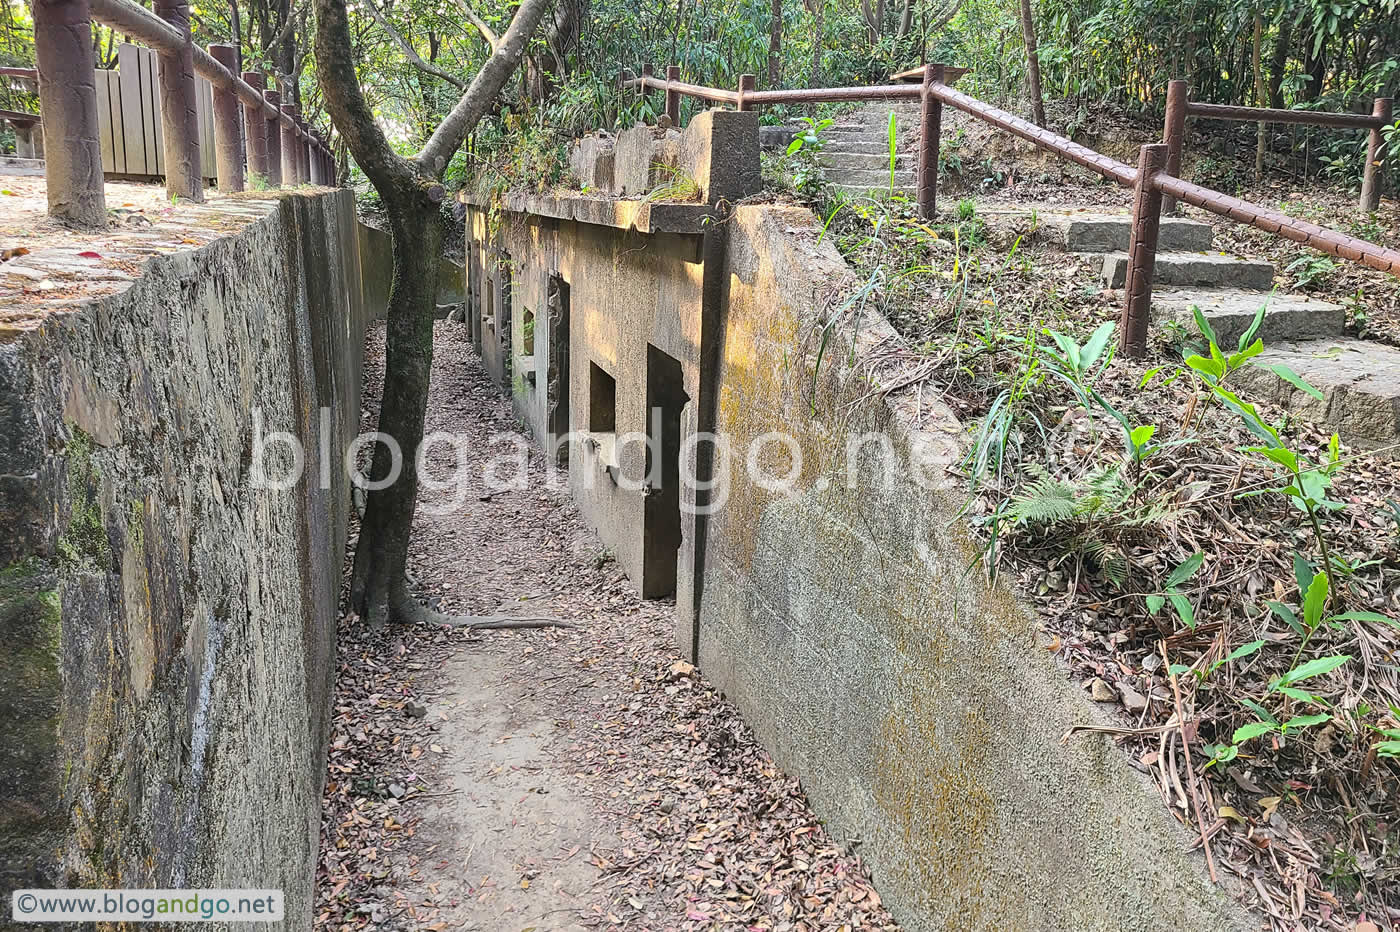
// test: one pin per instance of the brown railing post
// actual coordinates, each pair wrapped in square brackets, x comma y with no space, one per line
[228,146]
[179,117]
[68,101]
[291,165]
[1174,134]
[304,150]
[273,126]
[255,131]
[673,96]
[647,71]
[1371,180]
[1142,251]
[746,84]
[930,126]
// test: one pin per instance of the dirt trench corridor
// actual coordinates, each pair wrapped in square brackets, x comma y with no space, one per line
[581,778]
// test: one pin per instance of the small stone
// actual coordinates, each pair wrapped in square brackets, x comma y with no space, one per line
[1100,691]
[680,669]
[1151,662]
[396,791]
[667,805]
[413,710]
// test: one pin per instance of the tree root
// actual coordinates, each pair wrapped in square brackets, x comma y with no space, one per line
[410,611]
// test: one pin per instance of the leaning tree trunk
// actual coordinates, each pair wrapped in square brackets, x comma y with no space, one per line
[1032,63]
[381,556]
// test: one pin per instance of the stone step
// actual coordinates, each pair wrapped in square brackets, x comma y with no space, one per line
[1359,381]
[1185,269]
[872,161]
[879,193]
[855,146]
[873,177]
[1103,231]
[1230,312]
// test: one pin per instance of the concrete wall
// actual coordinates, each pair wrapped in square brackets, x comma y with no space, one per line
[626,292]
[847,620]
[165,691]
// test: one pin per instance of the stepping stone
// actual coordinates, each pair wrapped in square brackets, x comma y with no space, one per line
[1359,381]
[1230,311]
[1195,268]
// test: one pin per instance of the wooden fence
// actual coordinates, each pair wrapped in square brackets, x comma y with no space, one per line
[128,115]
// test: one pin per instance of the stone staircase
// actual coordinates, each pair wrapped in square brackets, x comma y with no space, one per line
[1359,379]
[856,155]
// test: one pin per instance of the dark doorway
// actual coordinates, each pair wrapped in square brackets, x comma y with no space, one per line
[557,381]
[661,520]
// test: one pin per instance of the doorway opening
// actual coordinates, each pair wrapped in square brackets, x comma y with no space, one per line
[661,518]
[557,379]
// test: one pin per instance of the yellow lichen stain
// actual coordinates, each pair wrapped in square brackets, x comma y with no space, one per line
[930,768]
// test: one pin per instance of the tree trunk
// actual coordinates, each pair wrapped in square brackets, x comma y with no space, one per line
[818,40]
[1261,136]
[1032,63]
[1278,62]
[377,585]
[410,193]
[775,44]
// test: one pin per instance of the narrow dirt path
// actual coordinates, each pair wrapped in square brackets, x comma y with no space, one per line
[557,779]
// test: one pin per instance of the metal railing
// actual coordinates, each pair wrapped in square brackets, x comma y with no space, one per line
[250,124]
[1152,180]
[1180,106]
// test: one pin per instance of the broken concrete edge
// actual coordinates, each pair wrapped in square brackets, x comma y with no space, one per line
[915,702]
[640,215]
[171,630]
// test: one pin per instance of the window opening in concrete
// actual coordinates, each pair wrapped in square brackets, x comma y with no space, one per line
[527,333]
[661,520]
[557,385]
[602,401]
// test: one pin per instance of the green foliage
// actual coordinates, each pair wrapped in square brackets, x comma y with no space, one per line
[1171,591]
[1310,271]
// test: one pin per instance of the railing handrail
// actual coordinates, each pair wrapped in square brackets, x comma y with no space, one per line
[1154,179]
[1327,118]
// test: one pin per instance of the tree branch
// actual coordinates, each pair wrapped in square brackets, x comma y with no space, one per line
[484,87]
[489,34]
[340,85]
[409,51]
[283,33]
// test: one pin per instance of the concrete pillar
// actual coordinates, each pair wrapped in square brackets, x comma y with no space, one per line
[228,141]
[68,101]
[273,127]
[255,131]
[291,162]
[179,117]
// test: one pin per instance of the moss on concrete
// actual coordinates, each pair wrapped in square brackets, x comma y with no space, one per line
[84,541]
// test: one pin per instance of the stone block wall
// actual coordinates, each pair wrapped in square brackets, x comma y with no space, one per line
[165,689]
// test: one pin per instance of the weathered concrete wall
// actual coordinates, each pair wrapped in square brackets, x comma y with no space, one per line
[625,292]
[849,622]
[165,691]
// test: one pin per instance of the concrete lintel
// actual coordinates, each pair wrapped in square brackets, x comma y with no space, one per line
[642,216]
